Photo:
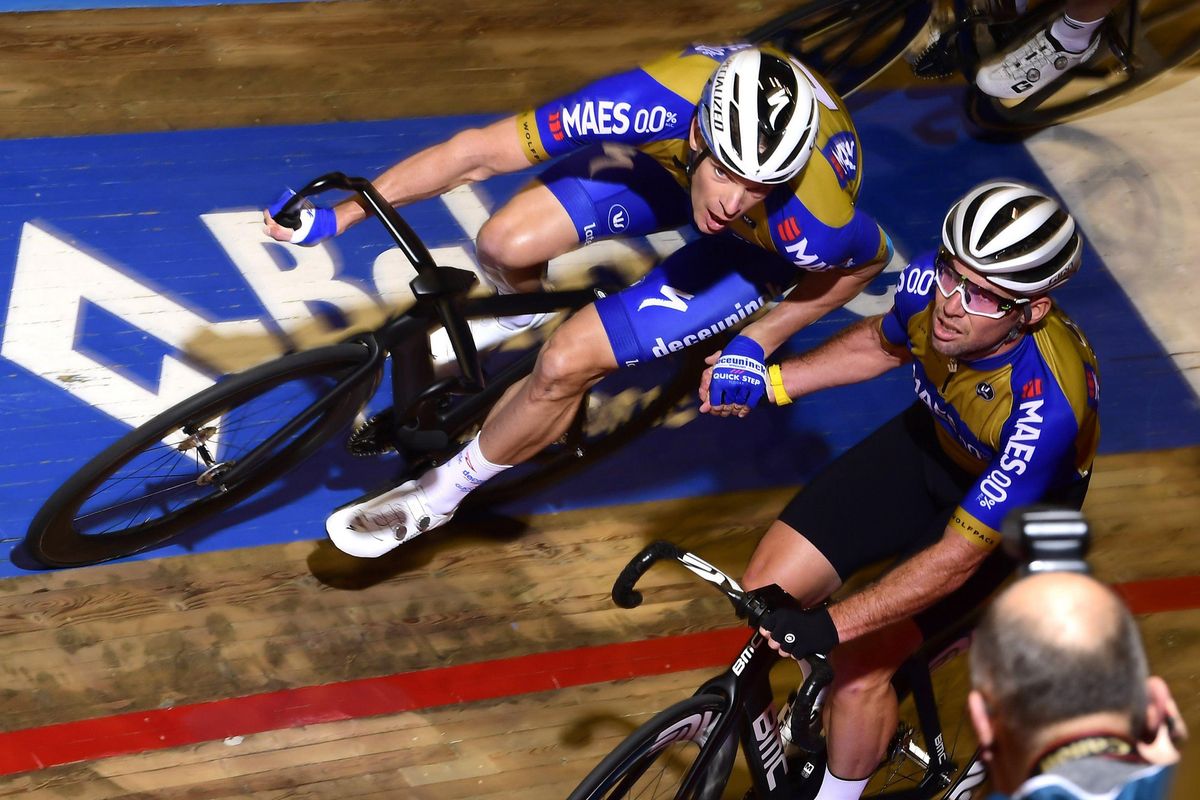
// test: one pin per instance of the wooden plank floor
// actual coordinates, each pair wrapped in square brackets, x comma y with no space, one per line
[211,67]
[173,632]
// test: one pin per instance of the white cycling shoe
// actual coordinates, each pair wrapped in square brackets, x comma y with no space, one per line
[488,334]
[381,524]
[1029,66]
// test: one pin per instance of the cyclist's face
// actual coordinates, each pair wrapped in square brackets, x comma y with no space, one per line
[719,197]
[957,332]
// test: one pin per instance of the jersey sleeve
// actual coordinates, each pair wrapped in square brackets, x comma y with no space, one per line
[914,289]
[813,245]
[1036,453]
[629,107]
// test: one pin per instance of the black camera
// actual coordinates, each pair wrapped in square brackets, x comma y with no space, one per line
[1047,539]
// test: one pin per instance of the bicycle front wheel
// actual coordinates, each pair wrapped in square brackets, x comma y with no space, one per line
[181,467]
[848,42]
[661,759]
[1164,35]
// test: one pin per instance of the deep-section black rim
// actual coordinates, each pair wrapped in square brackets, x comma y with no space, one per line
[144,488]
[656,759]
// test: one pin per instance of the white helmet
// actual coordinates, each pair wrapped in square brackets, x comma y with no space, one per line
[1015,235]
[759,116]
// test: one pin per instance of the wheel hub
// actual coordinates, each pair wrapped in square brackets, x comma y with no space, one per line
[214,474]
[197,439]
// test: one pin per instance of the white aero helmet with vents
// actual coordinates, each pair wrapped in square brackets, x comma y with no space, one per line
[1015,235]
[759,116]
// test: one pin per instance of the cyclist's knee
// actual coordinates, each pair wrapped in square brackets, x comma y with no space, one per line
[576,356]
[862,683]
[519,238]
[863,667]
[503,244]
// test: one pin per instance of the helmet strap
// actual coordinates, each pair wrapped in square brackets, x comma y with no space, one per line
[696,157]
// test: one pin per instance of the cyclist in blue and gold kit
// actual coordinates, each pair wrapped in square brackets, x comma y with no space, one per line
[1006,416]
[746,144]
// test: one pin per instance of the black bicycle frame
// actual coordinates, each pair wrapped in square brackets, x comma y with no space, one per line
[747,688]
[424,420]
[749,703]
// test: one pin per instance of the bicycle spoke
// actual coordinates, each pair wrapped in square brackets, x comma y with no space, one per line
[135,482]
[165,476]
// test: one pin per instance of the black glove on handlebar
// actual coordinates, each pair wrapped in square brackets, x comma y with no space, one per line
[801,633]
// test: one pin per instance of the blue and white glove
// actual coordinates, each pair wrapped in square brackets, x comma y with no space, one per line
[316,224]
[739,377]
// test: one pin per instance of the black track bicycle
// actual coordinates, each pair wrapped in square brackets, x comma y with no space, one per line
[687,752]
[234,439]
[852,41]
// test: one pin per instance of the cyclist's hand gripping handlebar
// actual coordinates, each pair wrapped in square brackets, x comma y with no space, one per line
[750,606]
[442,286]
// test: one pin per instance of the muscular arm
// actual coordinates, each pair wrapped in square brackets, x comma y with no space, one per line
[472,155]
[856,353]
[915,584]
[815,295]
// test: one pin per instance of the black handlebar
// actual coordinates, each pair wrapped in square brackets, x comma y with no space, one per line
[751,606]
[400,231]
[623,593]
[444,287]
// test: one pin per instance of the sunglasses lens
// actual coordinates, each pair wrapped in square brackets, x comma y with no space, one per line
[980,300]
[975,299]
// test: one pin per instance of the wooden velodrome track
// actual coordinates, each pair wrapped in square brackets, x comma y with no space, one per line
[134,677]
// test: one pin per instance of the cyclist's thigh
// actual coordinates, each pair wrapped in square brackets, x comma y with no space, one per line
[616,190]
[702,289]
[787,559]
[875,501]
[531,228]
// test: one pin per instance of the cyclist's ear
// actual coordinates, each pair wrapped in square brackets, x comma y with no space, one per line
[695,141]
[1038,308]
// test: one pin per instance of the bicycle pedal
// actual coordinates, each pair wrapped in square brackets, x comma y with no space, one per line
[374,437]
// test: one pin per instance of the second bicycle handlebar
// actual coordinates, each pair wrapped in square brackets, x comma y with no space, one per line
[751,606]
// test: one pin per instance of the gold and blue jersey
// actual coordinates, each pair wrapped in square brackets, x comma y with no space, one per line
[1024,421]
[811,220]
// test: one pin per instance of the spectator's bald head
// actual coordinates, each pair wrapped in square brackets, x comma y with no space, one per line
[1057,646]
[1070,610]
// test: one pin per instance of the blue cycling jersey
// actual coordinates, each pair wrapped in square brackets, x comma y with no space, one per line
[1025,420]
[811,220]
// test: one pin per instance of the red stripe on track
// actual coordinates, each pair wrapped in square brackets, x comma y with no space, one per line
[158,729]
[1162,594]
